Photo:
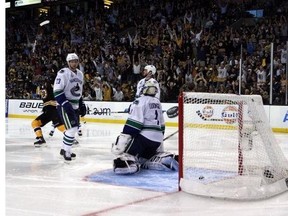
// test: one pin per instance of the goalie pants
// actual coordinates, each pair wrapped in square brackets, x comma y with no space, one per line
[143,147]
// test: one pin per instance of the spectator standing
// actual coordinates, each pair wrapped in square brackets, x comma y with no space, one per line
[222,74]
[118,95]
[261,76]
[87,96]
[107,92]
[136,70]
[97,87]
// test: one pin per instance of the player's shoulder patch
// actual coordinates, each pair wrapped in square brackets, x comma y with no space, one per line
[62,71]
[136,102]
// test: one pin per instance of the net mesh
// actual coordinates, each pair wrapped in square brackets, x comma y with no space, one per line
[229,149]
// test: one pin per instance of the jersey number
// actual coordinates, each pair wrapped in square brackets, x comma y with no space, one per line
[156,117]
[58,80]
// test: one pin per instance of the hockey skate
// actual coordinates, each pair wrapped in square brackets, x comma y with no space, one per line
[67,157]
[80,132]
[51,133]
[40,141]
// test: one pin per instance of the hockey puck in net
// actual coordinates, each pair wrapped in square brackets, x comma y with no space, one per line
[172,112]
[201,177]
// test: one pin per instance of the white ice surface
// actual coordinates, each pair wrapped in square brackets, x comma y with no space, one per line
[38,183]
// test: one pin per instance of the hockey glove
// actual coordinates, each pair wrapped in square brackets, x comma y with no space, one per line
[82,108]
[127,110]
[62,100]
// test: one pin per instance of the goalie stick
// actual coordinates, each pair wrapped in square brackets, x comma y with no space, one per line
[171,112]
[169,136]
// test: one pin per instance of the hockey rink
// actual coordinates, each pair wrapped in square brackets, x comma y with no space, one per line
[39,183]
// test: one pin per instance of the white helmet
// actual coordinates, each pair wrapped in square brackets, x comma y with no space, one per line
[150,68]
[150,88]
[72,56]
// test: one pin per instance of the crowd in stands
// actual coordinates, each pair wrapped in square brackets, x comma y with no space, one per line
[195,46]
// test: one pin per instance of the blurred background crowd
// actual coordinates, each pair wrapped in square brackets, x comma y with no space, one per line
[195,46]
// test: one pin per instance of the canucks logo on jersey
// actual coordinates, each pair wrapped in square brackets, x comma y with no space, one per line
[75,89]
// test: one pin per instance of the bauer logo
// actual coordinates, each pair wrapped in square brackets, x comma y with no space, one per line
[230,114]
[31,105]
[208,111]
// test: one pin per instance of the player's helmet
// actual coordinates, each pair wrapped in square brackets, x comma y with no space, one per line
[150,68]
[150,88]
[72,56]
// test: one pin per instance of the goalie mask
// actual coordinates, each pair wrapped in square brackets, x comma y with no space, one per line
[150,88]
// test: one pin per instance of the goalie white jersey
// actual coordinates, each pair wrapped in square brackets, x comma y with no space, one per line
[146,117]
[141,85]
[71,84]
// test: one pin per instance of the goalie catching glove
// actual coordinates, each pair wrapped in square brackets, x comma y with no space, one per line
[122,142]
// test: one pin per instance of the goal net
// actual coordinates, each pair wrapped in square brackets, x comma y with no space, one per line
[227,148]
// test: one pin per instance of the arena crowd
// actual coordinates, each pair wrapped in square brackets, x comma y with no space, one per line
[195,46]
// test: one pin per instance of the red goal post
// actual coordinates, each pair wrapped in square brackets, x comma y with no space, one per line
[227,148]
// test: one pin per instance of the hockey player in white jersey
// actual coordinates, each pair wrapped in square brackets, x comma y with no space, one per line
[68,87]
[140,145]
[148,73]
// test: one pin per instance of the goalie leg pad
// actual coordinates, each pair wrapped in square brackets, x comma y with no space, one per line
[163,161]
[126,164]
[122,142]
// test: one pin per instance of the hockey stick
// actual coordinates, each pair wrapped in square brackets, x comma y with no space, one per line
[119,112]
[113,112]
[169,136]
[171,112]
[35,41]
